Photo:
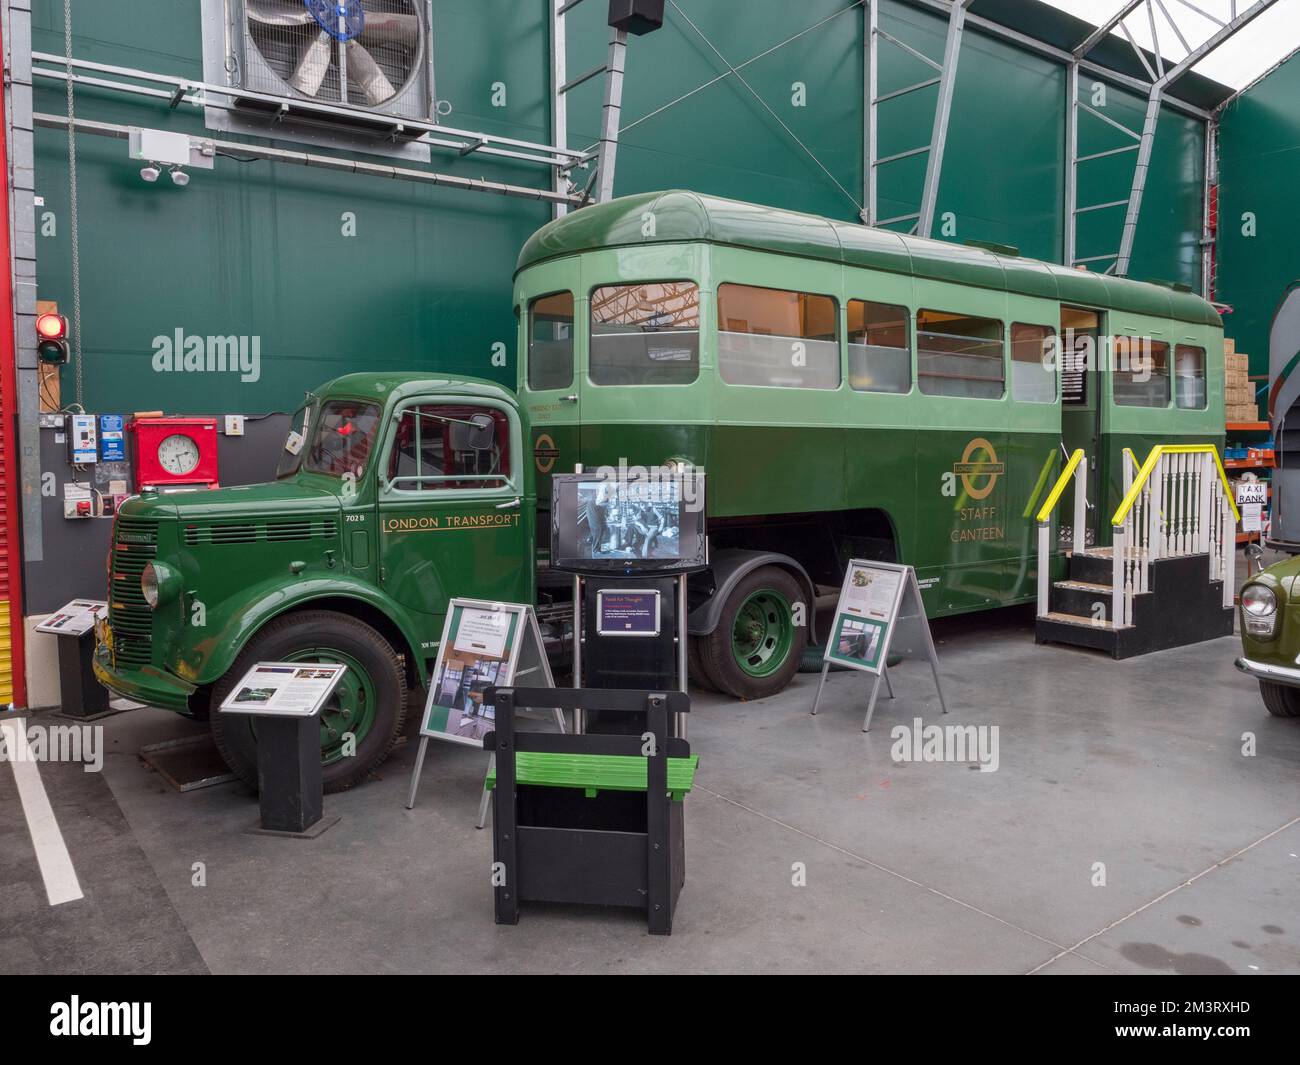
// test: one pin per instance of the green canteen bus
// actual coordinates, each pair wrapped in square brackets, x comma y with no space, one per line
[850,392]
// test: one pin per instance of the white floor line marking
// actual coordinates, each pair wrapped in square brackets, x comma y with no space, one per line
[1160,898]
[61,884]
[894,873]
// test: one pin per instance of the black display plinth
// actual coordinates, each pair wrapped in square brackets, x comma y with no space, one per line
[613,659]
[290,791]
[80,694]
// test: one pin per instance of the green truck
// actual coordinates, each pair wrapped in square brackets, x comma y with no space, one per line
[346,557]
[850,392]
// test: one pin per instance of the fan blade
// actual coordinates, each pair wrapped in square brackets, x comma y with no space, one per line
[313,64]
[364,71]
[284,13]
[401,29]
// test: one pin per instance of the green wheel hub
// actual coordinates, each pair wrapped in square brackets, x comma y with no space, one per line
[351,706]
[763,633]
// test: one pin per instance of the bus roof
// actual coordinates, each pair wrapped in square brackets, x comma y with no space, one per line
[681,216]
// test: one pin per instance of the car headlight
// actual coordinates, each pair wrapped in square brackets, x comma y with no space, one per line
[1259,610]
[157,583]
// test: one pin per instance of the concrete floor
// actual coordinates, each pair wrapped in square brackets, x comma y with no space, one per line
[922,867]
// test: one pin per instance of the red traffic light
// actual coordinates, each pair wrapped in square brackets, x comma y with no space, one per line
[52,327]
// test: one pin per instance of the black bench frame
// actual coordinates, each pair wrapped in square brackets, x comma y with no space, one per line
[569,863]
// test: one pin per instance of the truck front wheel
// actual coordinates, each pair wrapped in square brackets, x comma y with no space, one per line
[363,717]
[760,636]
[1281,700]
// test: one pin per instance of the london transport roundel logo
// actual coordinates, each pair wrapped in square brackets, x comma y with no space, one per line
[979,468]
[545,453]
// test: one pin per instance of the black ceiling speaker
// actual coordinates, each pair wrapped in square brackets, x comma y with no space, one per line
[636,16]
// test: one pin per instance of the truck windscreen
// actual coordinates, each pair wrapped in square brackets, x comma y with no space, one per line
[342,436]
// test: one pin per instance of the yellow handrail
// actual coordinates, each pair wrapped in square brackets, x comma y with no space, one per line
[1150,465]
[1049,504]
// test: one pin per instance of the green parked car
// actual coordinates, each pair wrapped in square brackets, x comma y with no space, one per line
[1270,636]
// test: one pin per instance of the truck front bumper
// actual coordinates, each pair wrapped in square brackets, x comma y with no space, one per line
[1287,675]
[148,685]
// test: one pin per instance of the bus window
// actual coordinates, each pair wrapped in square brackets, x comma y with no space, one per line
[780,339]
[550,342]
[1033,358]
[645,334]
[1189,377]
[1140,372]
[959,355]
[880,359]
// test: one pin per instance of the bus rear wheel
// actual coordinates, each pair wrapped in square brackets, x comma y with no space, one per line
[364,715]
[760,637]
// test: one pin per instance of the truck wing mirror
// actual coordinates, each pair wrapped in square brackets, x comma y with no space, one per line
[484,432]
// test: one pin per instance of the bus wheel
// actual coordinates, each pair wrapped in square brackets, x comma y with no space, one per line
[756,647]
[1281,700]
[363,717]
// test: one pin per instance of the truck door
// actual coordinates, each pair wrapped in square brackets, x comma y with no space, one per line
[453,517]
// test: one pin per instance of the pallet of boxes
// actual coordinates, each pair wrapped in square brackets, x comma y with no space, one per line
[1238,392]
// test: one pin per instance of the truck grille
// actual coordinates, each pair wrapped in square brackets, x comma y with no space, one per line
[135,543]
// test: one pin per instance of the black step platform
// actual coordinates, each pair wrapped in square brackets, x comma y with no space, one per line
[1182,606]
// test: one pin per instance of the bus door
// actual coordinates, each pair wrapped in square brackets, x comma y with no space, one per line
[1081,404]
[548,378]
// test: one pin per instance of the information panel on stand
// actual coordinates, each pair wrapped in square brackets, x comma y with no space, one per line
[864,615]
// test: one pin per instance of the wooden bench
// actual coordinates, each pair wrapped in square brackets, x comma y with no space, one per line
[590,819]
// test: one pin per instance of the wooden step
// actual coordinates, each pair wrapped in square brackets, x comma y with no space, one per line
[1087,623]
[1084,586]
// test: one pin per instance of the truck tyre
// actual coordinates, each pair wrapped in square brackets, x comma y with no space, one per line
[369,703]
[1281,700]
[756,647]
[695,650]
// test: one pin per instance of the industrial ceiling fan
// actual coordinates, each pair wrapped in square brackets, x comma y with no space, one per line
[359,52]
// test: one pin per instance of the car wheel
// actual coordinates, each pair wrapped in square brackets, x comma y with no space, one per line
[1281,700]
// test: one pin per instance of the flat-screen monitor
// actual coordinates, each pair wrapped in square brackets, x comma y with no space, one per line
[653,523]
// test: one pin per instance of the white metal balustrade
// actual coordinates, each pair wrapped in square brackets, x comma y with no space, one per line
[1177,503]
[1076,469]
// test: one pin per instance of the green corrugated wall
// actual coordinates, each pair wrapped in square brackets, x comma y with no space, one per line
[1259,170]
[256,248]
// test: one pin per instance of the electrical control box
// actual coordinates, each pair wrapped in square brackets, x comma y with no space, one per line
[83,439]
[78,502]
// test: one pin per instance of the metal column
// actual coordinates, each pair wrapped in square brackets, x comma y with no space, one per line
[870,26]
[607,153]
[1210,180]
[939,135]
[559,102]
[1071,160]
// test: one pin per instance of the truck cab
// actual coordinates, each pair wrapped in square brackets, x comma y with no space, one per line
[394,493]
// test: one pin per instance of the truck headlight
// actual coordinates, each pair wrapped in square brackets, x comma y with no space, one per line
[1259,610]
[157,583]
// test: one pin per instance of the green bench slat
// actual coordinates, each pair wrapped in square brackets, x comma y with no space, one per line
[596,772]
